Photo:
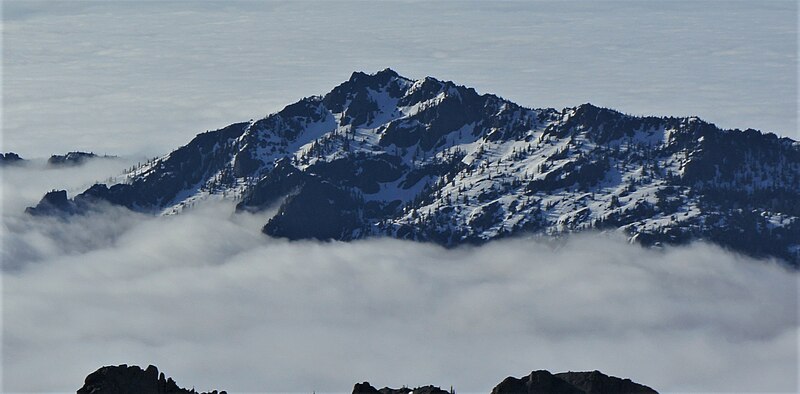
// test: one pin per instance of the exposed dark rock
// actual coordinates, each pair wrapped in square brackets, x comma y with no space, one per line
[124,379]
[283,180]
[538,382]
[55,202]
[366,388]
[595,382]
[73,158]
[318,210]
[10,158]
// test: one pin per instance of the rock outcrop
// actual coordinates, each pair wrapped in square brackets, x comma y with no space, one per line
[366,388]
[124,379]
[594,382]
[73,158]
[10,158]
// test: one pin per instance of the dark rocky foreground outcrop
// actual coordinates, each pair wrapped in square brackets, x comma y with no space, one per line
[124,379]
[594,382]
[366,388]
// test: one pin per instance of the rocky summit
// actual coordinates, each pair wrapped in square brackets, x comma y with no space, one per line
[429,160]
[366,388]
[594,382]
[74,158]
[124,379]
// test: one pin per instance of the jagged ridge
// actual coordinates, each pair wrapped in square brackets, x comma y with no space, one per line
[74,158]
[427,160]
[594,382]
[123,379]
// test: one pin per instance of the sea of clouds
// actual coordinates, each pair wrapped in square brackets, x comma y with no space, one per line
[217,305]
[144,77]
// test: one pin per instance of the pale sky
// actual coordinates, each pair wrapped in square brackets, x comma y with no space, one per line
[138,78]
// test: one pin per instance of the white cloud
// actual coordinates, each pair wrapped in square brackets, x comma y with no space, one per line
[215,304]
[25,184]
[146,77]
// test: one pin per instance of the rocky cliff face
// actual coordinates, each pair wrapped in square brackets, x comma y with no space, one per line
[428,160]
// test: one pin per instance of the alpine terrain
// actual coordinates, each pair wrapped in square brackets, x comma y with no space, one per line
[429,160]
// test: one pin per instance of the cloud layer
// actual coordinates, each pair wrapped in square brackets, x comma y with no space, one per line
[215,304]
[145,77]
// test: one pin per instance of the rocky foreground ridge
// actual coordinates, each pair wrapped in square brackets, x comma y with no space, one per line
[124,379]
[429,160]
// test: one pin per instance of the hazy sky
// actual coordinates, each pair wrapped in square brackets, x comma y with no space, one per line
[145,77]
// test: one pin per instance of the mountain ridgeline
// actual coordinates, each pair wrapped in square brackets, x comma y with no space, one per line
[124,379]
[428,160]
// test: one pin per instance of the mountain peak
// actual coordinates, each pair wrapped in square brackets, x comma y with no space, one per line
[381,155]
[357,75]
[387,72]
[381,76]
[124,379]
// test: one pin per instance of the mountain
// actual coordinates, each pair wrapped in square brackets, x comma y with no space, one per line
[124,379]
[429,160]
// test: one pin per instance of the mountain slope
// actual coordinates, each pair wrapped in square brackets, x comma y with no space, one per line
[383,155]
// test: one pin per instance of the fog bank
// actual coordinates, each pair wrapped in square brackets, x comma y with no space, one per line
[145,77]
[212,302]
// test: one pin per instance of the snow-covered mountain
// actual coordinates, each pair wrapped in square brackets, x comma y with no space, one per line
[428,160]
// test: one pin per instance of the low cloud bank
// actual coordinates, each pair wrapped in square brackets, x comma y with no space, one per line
[215,304]
[24,184]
